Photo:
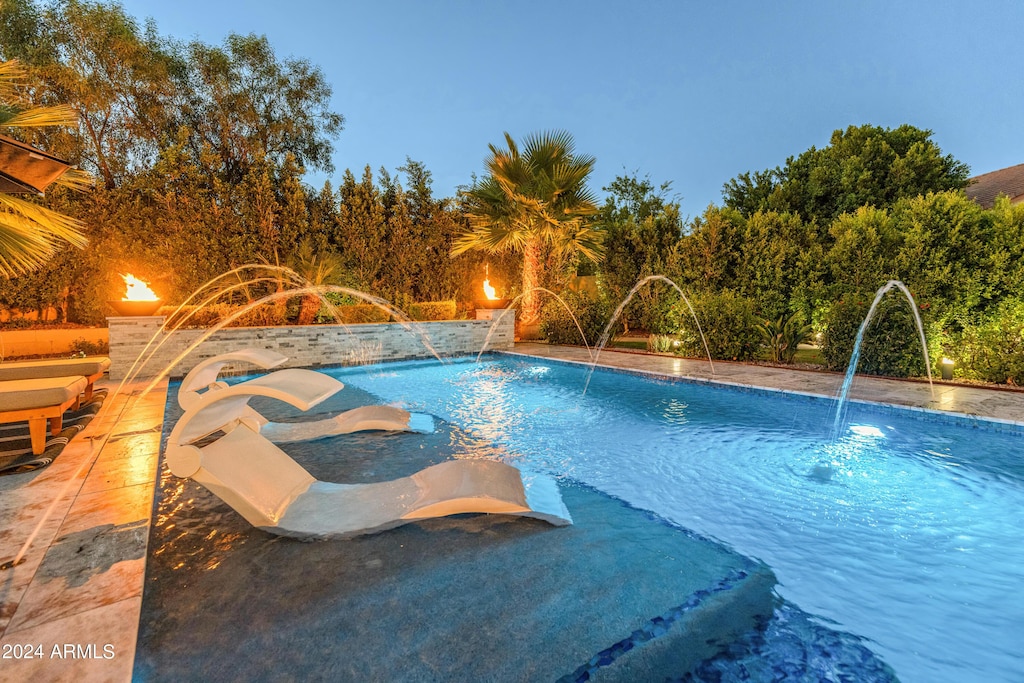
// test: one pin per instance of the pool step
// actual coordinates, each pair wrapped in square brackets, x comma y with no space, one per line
[694,632]
[793,646]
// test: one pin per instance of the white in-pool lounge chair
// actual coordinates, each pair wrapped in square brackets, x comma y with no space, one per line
[40,401]
[203,379]
[273,492]
[90,367]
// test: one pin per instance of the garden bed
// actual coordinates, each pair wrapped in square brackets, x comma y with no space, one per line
[63,339]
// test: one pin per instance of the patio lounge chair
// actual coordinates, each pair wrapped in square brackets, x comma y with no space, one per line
[92,368]
[202,379]
[273,492]
[40,401]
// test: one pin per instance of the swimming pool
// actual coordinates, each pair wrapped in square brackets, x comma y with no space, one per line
[905,531]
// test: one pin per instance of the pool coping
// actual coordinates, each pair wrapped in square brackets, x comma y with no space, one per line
[106,477]
[964,403]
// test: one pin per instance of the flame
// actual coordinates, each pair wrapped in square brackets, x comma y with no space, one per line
[489,290]
[137,290]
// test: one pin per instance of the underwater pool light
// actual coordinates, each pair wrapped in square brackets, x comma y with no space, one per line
[866,430]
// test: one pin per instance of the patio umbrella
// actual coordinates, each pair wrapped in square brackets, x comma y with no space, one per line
[25,169]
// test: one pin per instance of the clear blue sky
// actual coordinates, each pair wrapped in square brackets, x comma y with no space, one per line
[688,92]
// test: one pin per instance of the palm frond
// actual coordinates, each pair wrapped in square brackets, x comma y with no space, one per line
[22,247]
[11,74]
[51,225]
[547,147]
[537,192]
[38,117]
[76,179]
[30,233]
[492,239]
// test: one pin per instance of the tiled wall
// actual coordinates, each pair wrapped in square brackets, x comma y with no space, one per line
[305,346]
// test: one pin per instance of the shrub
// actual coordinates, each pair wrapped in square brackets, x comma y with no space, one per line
[657,316]
[992,350]
[660,343]
[265,315]
[84,347]
[19,324]
[558,326]
[432,310]
[890,345]
[349,310]
[193,316]
[784,336]
[360,313]
[728,323]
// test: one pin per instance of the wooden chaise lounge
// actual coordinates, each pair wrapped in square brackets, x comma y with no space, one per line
[40,401]
[91,368]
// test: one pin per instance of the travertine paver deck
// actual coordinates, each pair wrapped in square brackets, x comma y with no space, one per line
[69,610]
[991,404]
[80,584]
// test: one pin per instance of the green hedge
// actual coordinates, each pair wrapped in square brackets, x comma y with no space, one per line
[993,349]
[891,344]
[728,323]
[432,310]
[271,315]
[356,314]
[265,315]
[557,324]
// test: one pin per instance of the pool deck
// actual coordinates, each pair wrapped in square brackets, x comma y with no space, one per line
[83,522]
[81,526]
[999,405]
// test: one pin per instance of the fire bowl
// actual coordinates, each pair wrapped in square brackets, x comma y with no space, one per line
[491,303]
[136,307]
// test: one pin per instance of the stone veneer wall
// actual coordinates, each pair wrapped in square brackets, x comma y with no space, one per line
[305,346]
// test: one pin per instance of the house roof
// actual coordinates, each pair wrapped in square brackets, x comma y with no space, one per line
[986,187]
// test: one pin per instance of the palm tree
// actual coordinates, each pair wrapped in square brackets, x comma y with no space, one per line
[529,200]
[29,232]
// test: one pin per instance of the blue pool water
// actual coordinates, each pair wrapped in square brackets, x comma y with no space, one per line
[904,531]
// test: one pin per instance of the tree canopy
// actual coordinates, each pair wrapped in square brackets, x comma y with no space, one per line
[199,151]
[862,165]
[136,92]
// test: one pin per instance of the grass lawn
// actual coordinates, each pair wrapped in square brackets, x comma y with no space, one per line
[809,356]
[630,344]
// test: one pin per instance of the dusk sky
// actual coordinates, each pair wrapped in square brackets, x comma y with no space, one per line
[688,92]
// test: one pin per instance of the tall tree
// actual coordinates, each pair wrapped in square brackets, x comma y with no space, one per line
[97,59]
[640,228]
[359,230]
[199,149]
[781,263]
[707,257]
[862,165]
[530,200]
[861,257]
[245,104]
